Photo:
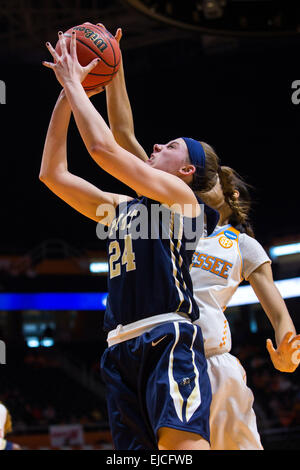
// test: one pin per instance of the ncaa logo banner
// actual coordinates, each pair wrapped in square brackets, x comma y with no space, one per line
[231,235]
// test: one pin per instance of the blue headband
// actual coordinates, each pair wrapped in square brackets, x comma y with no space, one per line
[196,153]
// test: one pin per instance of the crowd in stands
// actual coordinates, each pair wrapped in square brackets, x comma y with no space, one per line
[39,392]
[276,394]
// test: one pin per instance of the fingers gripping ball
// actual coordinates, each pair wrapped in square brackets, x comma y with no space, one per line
[296,354]
[92,42]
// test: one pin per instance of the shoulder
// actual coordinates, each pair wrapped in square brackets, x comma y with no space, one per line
[253,254]
[249,243]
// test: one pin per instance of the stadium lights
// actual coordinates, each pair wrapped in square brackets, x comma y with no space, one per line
[34,342]
[47,342]
[245,295]
[283,250]
[99,267]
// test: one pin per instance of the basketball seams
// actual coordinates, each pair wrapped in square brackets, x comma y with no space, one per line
[92,87]
[108,38]
[103,74]
[106,35]
[91,49]
[112,52]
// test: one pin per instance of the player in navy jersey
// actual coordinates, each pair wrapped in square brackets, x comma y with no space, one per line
[158,390]
[220,263]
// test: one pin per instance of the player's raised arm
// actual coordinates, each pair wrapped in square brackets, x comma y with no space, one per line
[153,183]
[120,113]
[285,357]
[54,173]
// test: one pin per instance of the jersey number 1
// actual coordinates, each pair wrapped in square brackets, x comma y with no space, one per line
[128,257]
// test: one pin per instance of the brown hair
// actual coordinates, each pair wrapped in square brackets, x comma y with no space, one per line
[208,179]
[8,424]
[230,182]
[241,206]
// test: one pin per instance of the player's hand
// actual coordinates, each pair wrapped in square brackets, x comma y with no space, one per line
[66,66]
[118,34]
[118,37]
[287,356]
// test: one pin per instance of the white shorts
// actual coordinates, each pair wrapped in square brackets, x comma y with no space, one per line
[232,418]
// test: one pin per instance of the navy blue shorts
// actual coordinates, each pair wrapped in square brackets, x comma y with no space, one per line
[158,379]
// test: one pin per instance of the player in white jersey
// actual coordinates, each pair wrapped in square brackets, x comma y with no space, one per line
[221,262]
[6,427]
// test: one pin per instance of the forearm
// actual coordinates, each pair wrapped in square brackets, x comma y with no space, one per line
[55,149]
[118,106]
[279,316]
[120,115]
[272,304]
[93,129]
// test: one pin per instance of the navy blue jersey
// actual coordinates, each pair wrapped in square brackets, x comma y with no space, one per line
[150,251]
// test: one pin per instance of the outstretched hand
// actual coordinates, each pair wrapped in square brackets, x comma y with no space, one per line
[66,66]
[118,34]
[287,356]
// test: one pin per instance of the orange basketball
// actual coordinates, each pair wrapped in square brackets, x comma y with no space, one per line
[95,41]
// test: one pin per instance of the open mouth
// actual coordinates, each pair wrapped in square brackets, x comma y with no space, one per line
[151,159]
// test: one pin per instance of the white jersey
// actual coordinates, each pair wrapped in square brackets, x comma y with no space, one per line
[220,262]
[3,416]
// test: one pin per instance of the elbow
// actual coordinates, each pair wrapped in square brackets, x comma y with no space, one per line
[47,178]
[101,152]
[43,177]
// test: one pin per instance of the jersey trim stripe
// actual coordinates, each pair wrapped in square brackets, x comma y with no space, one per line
[175,271]
[180,261]
[194,399]
[241,259]
[174,389]
[215,234]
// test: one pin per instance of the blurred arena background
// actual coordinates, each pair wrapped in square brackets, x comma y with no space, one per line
[219,70]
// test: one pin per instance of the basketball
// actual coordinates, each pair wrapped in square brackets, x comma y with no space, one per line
[94,42]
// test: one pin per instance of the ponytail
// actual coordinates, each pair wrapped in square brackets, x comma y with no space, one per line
[231,181]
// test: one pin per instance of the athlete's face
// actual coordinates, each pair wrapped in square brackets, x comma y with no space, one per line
[172,158]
